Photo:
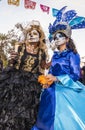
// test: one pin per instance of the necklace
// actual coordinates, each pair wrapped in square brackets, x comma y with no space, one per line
[31,49]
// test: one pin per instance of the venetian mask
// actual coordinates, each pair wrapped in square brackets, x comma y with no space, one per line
[59,39]
[33,36]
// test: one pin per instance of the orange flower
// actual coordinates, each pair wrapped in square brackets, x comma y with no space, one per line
[44,80]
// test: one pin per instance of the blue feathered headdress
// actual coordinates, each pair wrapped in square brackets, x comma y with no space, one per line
[65,22]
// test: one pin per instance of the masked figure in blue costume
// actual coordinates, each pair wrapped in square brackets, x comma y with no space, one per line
[62,103]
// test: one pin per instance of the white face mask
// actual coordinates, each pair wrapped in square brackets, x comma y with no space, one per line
[59,39]
[33,36]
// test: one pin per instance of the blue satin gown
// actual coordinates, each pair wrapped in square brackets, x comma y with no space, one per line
[62,105]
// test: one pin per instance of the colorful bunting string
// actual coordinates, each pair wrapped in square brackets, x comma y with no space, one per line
[70,16]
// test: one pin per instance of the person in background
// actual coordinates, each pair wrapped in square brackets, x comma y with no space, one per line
[1,64]
[19,86]
[63,96]
[82,77]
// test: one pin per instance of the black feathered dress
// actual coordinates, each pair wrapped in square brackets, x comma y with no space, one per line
[20,91]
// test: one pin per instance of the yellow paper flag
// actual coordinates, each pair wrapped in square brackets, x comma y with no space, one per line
[14,2]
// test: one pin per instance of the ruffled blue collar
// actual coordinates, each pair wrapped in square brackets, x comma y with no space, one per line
[58,54]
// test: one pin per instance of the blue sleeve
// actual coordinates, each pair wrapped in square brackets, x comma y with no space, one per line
[74,66]
[69,83]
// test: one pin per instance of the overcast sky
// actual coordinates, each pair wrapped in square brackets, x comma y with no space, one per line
[11,14]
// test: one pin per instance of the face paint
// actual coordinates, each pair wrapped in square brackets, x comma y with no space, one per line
[33,36]
[59,39]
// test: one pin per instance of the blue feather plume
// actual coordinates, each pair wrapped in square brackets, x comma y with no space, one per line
[79,25]
[76,21]
[68,16]
[59,15]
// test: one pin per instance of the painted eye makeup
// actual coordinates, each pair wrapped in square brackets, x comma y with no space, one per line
[58,36]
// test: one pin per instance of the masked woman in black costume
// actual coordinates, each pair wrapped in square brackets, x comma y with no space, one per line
[19,88]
